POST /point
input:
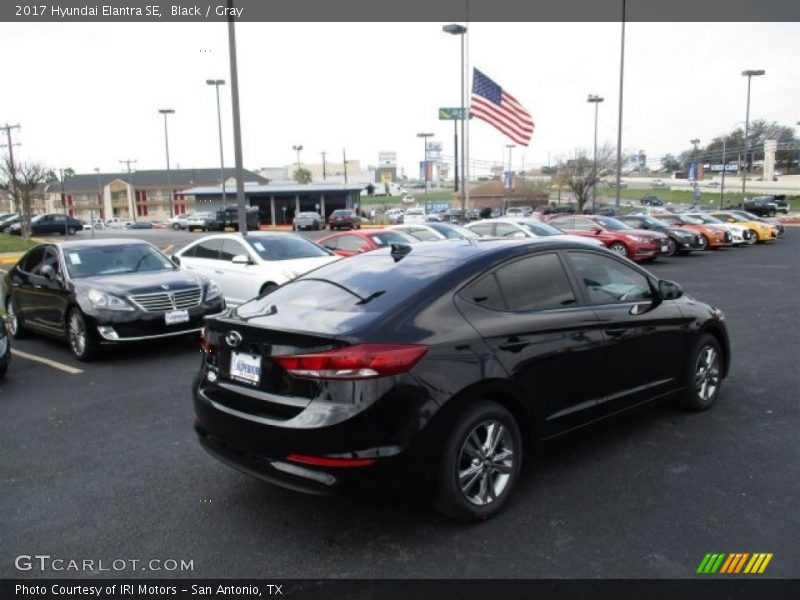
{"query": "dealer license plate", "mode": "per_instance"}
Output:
(246, 367)
(174, 317)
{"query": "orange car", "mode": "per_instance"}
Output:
(711, 237)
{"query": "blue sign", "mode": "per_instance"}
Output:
(692, 170)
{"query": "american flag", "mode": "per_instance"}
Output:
(497, 107)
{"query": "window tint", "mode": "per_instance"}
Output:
(535, 283)
(208, 249)
(385, 238)
(331, 244)
(51, 258)
(231, 248)
(284, 247)
(609, 281)
(482, 228)
(484, 292)
(351, 243)
(563, 223)
(33, 259)
(424, 235)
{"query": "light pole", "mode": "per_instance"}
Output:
(722, 185)
(100, 199)
(750, 73)
(460, 30)
(297, 149)
(596, 100)
(425, 137)
(216, 83)
(510, 173)
(324, 174)
(694, 143)
(165, 112)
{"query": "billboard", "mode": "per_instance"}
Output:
(387, 158)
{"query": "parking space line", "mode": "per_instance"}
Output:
(168, 248)
(47, 361)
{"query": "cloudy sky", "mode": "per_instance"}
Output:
(87, 95)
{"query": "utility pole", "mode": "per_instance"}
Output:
(64, 203)
(13, 173)
(132, 199)
(324, 174)
(344, 160)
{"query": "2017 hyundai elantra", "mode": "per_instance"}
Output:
(440, 365)
(98, 292)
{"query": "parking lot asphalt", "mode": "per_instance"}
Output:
(103, 464)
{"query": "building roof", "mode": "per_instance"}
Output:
(178, 178)
(278, 188)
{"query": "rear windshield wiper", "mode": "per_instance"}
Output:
(361, 299)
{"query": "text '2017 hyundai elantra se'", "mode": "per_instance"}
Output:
(440, 365)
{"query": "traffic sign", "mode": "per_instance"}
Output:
(455, 113)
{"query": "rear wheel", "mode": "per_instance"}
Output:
(703, 374)
(753, 237)
(82, 343)
(176, 227)
(672, 247)
(619, 248)
(704, 243)
(480, 462)
(70, 231)
(14, 326)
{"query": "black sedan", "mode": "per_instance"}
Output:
(50, 223)
(105, 292)
(441, 365)
(681, 241)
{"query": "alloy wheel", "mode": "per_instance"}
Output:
(618, 248)
(12, 324)
(77, 334)
(672, 247)
(706, 376)
(486, 462)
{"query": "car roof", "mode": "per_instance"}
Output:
(103, 242)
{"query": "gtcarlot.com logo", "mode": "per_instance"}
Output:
(735, 563)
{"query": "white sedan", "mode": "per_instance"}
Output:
(245, 267)
(523, 228)
(431, 232)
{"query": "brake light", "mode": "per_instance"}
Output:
(363, 361)
(327, 461)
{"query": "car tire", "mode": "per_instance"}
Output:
(619, 248)
(704, 243)
(703, 375)
(672, 248)
(771, 213)
(14, 325)
(475, 480)
(71, 231)
(753, 237)
(176, 227)
(82, 342)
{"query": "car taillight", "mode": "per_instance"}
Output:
(363, 361)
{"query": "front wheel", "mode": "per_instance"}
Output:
(176, 227)
(704, 243)
(619, 248)
(480, 462)
(753, 237)
(672, 248)
(703, 374)
(14, 326)
(82, 343)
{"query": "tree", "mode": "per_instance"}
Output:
(670, 163)
(579, 173)
(529, 193)
(302, 175)
(20, 180)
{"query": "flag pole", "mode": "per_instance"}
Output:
(465, 157)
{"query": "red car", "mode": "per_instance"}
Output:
(636, 244)
(348, 243)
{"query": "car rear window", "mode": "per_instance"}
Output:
(285, 247)
(372, 282)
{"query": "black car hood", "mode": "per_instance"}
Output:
(679, 230)
(124, 284)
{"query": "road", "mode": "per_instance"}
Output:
(103, 464)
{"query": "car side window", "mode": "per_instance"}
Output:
(331, 244)
(231, 248)
(536, 282)
(482, 228)
(608, 281)
(208, 249)
(51, 259)
(423, 235)
(508, 231)
(33, 259)
(351, 243)
(563, 223)
(583, 225)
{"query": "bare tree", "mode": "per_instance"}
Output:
(579, 173)
(20, 180)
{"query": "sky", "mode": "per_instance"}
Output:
(87, 95)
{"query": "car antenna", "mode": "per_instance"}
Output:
(399, 251)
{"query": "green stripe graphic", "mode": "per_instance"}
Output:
(718, 563)
(701, 568)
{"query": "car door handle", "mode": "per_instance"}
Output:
(615, 333)
(219, 272)
(514, 344)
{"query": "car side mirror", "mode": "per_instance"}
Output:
(241, 259)
(597, 231)
(669, 290)
(175, 260)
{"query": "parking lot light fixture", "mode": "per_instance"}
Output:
(461, 31)
(165, 112)
(596, 100)
(425, 137)
(750, 73)
(216, 83)
(297, 149)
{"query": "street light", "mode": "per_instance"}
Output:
(596, 100)
(461, 30)
(297, 149)
(100, 199)
(749, 74)
(695, 142)
(510, 147)
(165, 112)
(425, 137)
(216, 83)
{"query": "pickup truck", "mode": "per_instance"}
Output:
(766, 206)
(229, 217)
